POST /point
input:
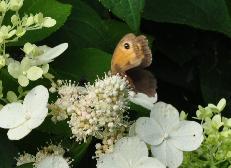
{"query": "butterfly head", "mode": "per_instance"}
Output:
(132, 51)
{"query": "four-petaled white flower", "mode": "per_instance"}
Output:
(142, 99)
(20, 118)
(167, 135)
(129, 152)
(53, 162)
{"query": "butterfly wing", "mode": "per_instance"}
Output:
(145, 51)
(143, 81)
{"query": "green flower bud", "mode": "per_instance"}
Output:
(15, 19)
(15, 5)
(3, 6)
(11, 96)
(48, 22)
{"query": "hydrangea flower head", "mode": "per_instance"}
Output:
(167, 135)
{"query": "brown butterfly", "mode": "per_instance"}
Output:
(132, 51)
(131, 55)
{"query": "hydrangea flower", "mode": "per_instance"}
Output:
(24, 71)
(142, 99)
(43, 54)
(21, 118)
(34, 64)
(167, 135)
(129, 152)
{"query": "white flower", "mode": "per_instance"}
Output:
(24, 71)
(129, 152)
(53, 162)
(48, 54)
(142, 99)
(20, 118)
(168, 135)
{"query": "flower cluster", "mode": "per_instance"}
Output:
(69, 92)
(102, 109)
(45, 157)
(215, 150)
(94, 110)
(35, 62)
(108, 142)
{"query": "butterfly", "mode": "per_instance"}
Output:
(131, 56)
(131, 52)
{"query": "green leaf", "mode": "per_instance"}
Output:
(88, 63)
(50, 8)
(77, 151)
(207, 14)
(60, 128)
(128, 10)
(86, 29)
(8, 81)
(7, 151)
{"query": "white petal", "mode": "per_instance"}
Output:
(11, 115)
(35, 103)
(166, 115)
(132, 130)
(112, 161)
(131, 149)
(52, 53)
(188, 136)
(149, 130)
(168, 154)
(143, 100)
(18, 132)
(53, 162)
(34, 73)
(149, 162)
